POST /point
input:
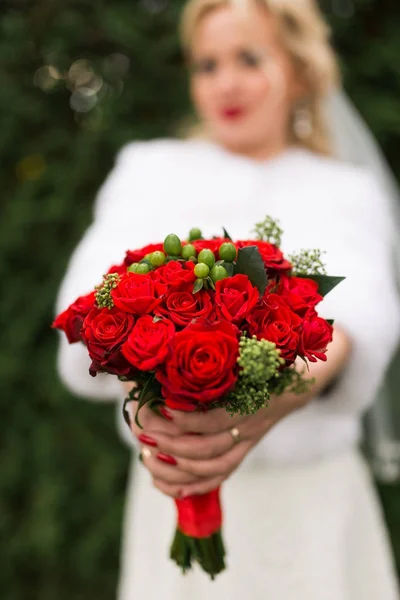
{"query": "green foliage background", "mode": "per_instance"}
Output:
(63, 468)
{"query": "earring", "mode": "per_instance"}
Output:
(302, 124)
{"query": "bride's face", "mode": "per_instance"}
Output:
(243, 84)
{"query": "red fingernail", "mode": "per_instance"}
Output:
(145, 439)
(166, 458)
(165, 413)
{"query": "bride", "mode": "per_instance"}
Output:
(302, 518)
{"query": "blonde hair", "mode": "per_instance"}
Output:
(306, 37)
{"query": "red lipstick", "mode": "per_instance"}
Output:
(232, 113)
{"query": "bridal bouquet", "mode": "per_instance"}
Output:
(200, 324)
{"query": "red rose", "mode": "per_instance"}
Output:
(148, 343)
(202, 365)
(135, 294)
(120, 269)
(235, 297)
(212, 245)
(276, 322)
(272, 256)
(173, 275)
(300, 293)
(70, 321)
(104, 331)
(182, 306)
(134, 256)
(317, 334)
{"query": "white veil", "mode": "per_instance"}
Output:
(354, 143)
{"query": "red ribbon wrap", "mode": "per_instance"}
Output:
(200, 516)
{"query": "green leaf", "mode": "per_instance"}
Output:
(229, 268)
(250, 263)
(125, 413)
(130, 398)
(198, 286)
(157, 318)
(210, 283)
(150, 391)
(330, 321)
(219, 263)
(226, 234)
(326, 283)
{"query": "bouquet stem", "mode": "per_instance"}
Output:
(198, 535)
(208, 552)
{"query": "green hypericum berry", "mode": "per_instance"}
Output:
(218, 272)
(227, 251)
(194, 234)
(201, 270)
(142, 269)
(172, 245)
(188, 251)
(207, 256)
(157, 258)
(133, 267)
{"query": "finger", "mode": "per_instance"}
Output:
(169, 489)
(164, 472)
(202, 487)
(220, 466)
(151, 421)
(213, 421)
(202, 447)
(208, 447)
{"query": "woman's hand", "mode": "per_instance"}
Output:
(167, 475)
(193, 453)
(216, 446)
(183, 463)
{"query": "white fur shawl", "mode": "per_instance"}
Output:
(170, 186)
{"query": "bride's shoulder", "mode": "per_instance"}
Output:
(166, 153)
(335, 173)
(344, 186)
(152, 169)
(346, 190)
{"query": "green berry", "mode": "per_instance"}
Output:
(201, 270)
(172, 245)
(157, 258)
(188, 251)
(227, 251)
(207, 256)
(142, 269)
(218, 272)
(194, 234)
(133, 267)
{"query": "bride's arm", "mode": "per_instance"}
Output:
(210, 458)
(367, 310)
(103, 244)
(367, 304)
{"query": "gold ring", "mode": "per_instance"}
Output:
(235, 435)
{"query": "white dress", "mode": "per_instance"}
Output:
(302, 520)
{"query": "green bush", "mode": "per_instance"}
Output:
(63, 466)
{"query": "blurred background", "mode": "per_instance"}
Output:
(78, 80)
